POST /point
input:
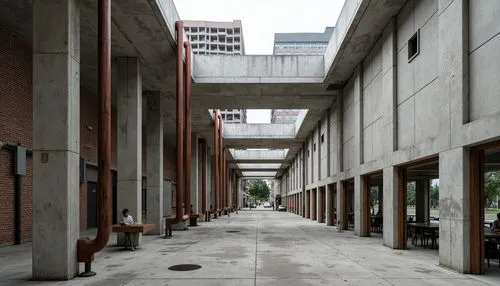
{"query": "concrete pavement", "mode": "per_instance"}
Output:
(262, 247)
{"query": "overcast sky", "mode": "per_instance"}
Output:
(261, 19)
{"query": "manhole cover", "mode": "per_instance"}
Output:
(184, 267)
(232, 231)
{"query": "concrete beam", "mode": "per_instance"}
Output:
(258, 69)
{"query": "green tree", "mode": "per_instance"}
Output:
(373, 195)
(434, 196)
(259, 190)
(492, 187)
(411, 194)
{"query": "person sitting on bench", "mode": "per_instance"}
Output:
(129, 236)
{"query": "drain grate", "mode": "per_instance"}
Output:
(184, 267)
(232, 231)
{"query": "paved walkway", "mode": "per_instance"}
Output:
(262, 248)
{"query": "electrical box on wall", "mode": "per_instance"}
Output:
(20, 163)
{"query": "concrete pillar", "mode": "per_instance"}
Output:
(56, 139)
(320, 214)
(195, 178)
(341, 197)
(129, 139)
(361, 211)
(454, 221)
(314, 204)
(422, 208)
(390, 220)
(308, 203)
(154, 161)
(210, 183)
(329, 205)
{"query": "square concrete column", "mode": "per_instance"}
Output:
(320, 214)
(329, 205)
(361, 210)
(129, 139)
(56, 139)
(314, 204)
(390, 220)
(308, 203)
(195, 178)
(154, 167)
(341, 211)
(454, 209)
(422, 208)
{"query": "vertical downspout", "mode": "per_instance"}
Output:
(221, 165)
(216, 160)
(179, 27)
(85, 247)
(187, 135)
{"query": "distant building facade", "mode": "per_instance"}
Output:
(215, 38)
(298, 44)
(283, 116)
(302, 43)
(218, 38)
(234, 115)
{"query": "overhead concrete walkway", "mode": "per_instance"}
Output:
(270, 248)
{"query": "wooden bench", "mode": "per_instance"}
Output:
(169, 222)
(144, 228)
(131, 228)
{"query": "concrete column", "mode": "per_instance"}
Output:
(320, 214)
(314, 205)
(454, 221)
(56, 139)
(129, 139)
(341, 197)
(210, 183)
(154, 161)
(390, 221)
(195, 178)
(308, 203)
(360, 209)
(329, 205)
(318, 178)
(422, 208)
(199, 165)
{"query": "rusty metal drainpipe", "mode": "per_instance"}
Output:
(203, 176)
(216, 162)
(86, 247)
(221, 170)
(187, 135)
(179, 27)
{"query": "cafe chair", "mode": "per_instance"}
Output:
(491, 251)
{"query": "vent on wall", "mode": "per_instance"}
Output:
(414, 46)
(322, 138)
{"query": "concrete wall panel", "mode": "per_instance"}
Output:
(425, 62)
(484, 84)
(406, 124)
(484, 22)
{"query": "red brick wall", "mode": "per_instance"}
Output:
(15, 127)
